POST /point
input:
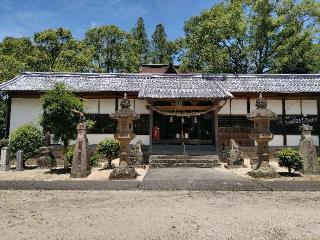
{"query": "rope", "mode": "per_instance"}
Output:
(185, 114)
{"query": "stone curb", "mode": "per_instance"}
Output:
(69, 185)
(196, 185)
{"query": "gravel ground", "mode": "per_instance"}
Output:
(35, 174)
(159, 215)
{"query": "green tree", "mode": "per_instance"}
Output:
(75, 57)
(162, 50)
(110, 49)
(140, 36)
(52, 41)
(297, 51)
(110, 148)
(59, 115)
(18, 54)
(242, 36)
(27, 138)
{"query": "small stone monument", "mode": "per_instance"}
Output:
(262, 135)
(5, 161)
(80, 163)
(235, 157)
(46, 159)
(308, 151)
(19, 160)
(124, 135)
(136, 155)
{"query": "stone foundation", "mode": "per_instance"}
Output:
(126, 173)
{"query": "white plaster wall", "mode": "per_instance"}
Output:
(225, 109)
(309, 107)
(96, 138)
(239, 106)
(140, 106)
(91, 105)
(293, 107)
(276, 141)
(107, 106)
(145, 139)
(293, 140)
(24, 110)
(273, 104)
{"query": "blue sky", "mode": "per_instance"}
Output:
(25, 17)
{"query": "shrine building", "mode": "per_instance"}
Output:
(201, 111)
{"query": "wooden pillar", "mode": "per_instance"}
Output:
(150, 130)
(318, 117)
(284, 121)
(8, 117)
(216, 130)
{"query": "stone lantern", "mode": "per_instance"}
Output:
(261, 118)
(125, 117)
(308, 151)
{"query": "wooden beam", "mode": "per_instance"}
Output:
(184, 108)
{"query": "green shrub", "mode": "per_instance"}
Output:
(69, 154)
(109, 148)
(4, 143)
(27, 138)
(290, 158)
(94, 159)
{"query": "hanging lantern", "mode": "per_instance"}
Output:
(171, 119)
(195, 120)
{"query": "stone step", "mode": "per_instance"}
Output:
(207, 161)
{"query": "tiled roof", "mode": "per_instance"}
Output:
(167, 85)
(272, 83)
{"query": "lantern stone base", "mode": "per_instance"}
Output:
(264, 172)
(123, 173)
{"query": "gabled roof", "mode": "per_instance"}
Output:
(167, 85)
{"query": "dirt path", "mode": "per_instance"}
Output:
(159, 215)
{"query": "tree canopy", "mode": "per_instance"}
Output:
(243, 36)
(234, 36)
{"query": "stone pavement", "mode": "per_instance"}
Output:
(209, 179)
(196, 179)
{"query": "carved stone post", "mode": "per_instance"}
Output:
(5, 161)
(308, 151)
(19, 160)
(80, 163)
(124, 135)
(262, 135)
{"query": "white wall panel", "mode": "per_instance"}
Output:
(273, 105)
(309, 107)
(293, 140)
(96, 138)
(225, 109)
(239, 106)
(144, 138)
(293, 107)
(107, 106)
(24, 110)
(91, 105)
(315, 140)
(276, 141)
(140, 106)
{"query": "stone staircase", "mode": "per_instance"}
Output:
(167, 161)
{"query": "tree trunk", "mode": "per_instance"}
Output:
(65, 160)
(289, 168)
(109, 163)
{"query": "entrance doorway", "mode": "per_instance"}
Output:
(184, 135)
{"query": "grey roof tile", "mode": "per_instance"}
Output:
(167, 85)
